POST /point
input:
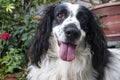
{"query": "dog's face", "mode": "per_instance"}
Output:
(72, 25)
(67, 23)
(67, 27)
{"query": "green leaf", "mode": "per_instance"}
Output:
(15, 33)
(24, 37)
(13, 0)
(26, 19)
(1, 47)
(0, 1)
(10, 69)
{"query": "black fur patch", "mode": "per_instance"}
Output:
(95, 38)
(41, 41)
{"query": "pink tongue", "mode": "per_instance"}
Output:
(67, 51)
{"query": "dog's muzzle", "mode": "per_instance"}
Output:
(72, 33)
(67, 48)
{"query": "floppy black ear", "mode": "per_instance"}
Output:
(41, 42)
(95, 38)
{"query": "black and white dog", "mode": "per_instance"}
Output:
(70, 45)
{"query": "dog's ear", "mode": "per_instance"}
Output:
(95, 38)
(41, 40)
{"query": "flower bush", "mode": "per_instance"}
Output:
(16, 31)
(17, 27)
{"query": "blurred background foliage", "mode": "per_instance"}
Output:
(18, 22)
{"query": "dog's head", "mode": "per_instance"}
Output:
(71, 25)
(67, 28)
(67, 23)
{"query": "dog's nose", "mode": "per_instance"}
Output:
(72, 32)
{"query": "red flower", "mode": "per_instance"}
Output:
(5, 36)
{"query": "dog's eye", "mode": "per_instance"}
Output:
(81, 17)
(60, 16)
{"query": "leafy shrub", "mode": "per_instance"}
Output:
(17, 27)
(12, 61)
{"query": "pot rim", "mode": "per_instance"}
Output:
(106, 5)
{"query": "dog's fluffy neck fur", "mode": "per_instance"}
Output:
(53, 68)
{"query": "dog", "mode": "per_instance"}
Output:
(70, 45)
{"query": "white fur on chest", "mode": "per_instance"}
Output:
(112, 71)
(53, 68)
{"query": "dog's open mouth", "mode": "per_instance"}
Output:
(67, 51)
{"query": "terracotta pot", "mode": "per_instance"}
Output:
(10, 77)
(110, 19)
